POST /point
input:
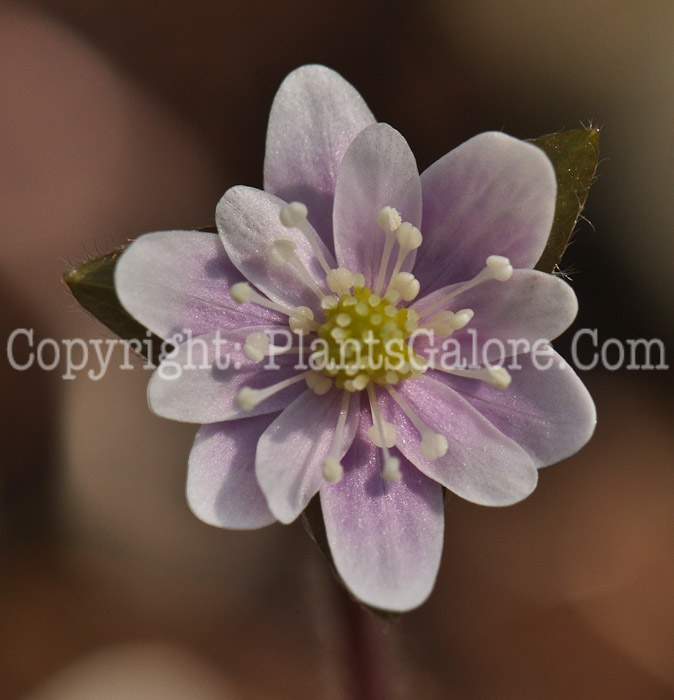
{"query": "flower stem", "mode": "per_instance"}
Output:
(363, 657)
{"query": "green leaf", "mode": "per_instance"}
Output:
(574, 155)
(92, 284)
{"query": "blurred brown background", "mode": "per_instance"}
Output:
(125, 117)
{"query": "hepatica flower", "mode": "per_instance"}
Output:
(365, 333)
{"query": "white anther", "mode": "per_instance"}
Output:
(328, 303)
(284, 251)
(391, 471)
(433, 446)
(281, 251)
(499, 377)
(339, 281)
(445, 323)
(393, 296)
(358, 383)
(256, 346)
(406, 284)
(441, 324)
(293, 214)
(248, 398)
(241, 292)
(302, 320)
(392, 377)
(500, 267)
(332, 470)
(461, 318)
(381, 435)
(409, 237)
(497, 267)
(389, 219)
(318, 383)
(389, 431)
(358, 280)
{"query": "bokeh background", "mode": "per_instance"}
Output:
(118, 118)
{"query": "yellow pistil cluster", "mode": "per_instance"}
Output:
(365, 338)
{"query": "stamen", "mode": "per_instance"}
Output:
(318, 383)
(497, 267)
(249, 398)
(302, 320)
(498, 377)
(500, 266)
(391, 471)
(242, 293)
(339, 281)
(432, 445)
(405, 284)
(332, 469)
(256, 346)
(409, 238)
(390, 220)
(283, 251)
(294, 215)
(389, 435)
(358, 383)
(444, 323)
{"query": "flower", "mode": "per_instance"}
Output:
(349, 247)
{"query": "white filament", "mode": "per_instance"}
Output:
(294, 215)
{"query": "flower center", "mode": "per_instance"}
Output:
(364, 341)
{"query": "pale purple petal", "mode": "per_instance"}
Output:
(510, 317)
(493, 195)
(546, 409)
(290, 454)
(178, 281)
(378, 170)
(221, 486)
(315, 116)
(482, 464)
(198, 382)
(249, 223)
(385, 539)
